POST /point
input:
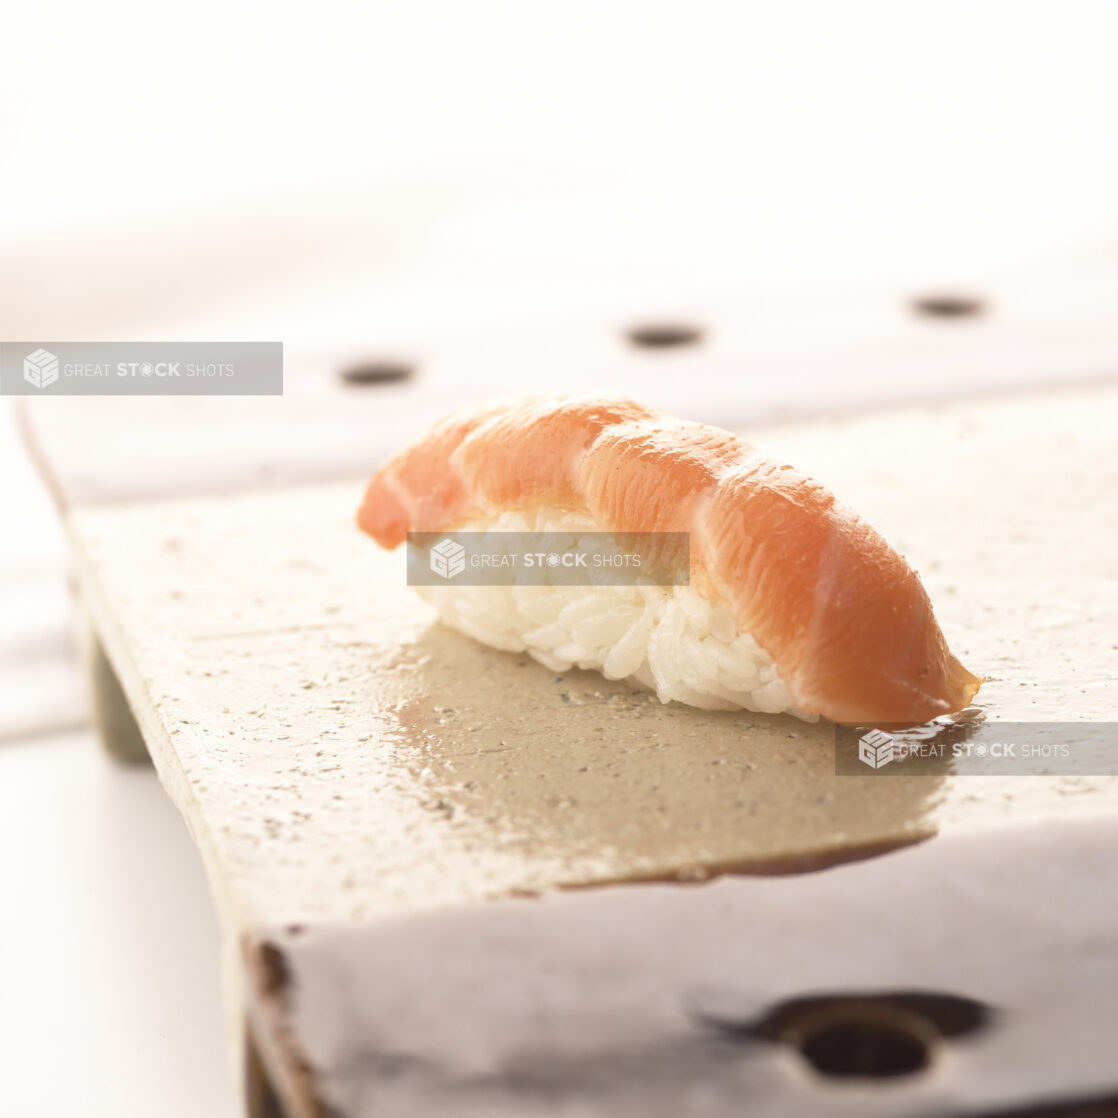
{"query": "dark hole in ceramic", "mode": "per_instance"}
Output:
(377, 372)
(948, 305)
(878, 1044)
(849, 1034)
(664, 335)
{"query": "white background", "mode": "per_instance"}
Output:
(327, 169)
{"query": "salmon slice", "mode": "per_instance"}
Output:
(844, 619)
(420, 490)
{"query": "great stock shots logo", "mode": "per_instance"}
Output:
(876, 749)
(968, 744)
(151, 368)
(40, 368)
(548, 558)
(448, 559)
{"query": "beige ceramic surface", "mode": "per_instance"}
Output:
(337, 755)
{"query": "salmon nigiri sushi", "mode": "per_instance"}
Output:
(793, 603)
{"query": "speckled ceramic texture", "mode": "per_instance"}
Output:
(339, 754)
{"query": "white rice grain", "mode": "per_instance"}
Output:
(667, 638)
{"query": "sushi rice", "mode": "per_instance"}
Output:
(669, 639)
